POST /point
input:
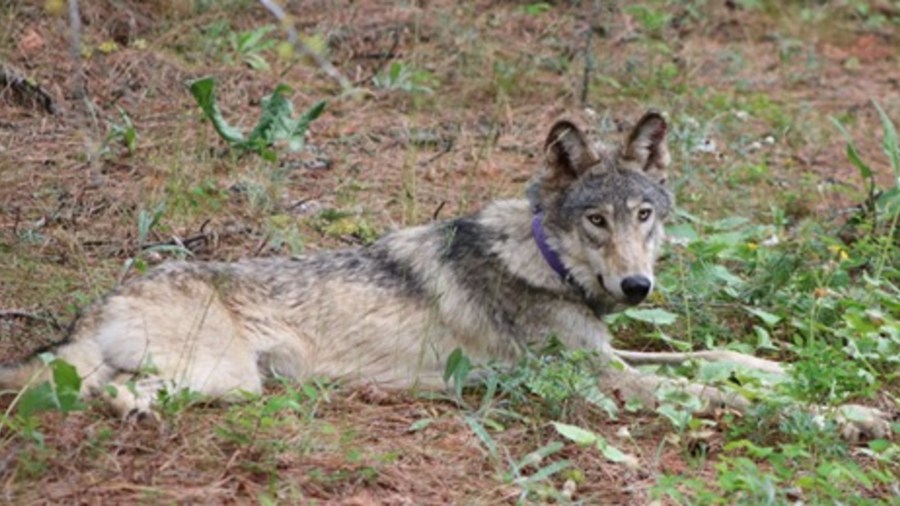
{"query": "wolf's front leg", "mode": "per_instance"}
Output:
(675, 358)
(856, 423)
(626, 383)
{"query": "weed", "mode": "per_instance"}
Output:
(248, 46)
(881, 206)
(147, 222)
(276, 122)
(536, 8)
(284, 234)
(337, 223)
(400, 76)
(61, 394)
(124, 132)
(585, 437)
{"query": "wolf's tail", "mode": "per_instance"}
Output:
(14, 377)
(83, 354)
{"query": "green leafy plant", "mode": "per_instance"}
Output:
(457, 370)
(338, 223)
(879, 202)
(147, 222)
(124, 132)
(247, 46)
(400, 76)
(62, 394)
(584, 437)
(276, 122)
(536, 8)
(652, 20)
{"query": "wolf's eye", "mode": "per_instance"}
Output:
(597, 220)
(644, 214)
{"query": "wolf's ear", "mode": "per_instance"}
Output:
(568, 153)
(646, 146)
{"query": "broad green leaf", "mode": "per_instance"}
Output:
(483, 435)
(729, 223)
(616, 455)
(250, 41)
(545, 472)
(763, 339)
(879, 445)
(298, 136)
(38, 398)
(841, 129)
(457, 368)
(655, 316)
(576, 434)
(536, 457)
(678, 417)
(864, 170)
(420, 424)
(280, 403)
(275, 121)
(759, 452)
(768, 318)
(604, 402)
(68, 386)
(452, 363)
(256, 62)
(723, 274)
(683, 231)
(852, 154)
(889, 140)
(203, 91)
(889, 201)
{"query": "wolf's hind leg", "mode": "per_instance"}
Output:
(135, 400)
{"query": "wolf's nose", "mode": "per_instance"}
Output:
(636, 288)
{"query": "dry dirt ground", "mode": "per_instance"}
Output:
(460, 125)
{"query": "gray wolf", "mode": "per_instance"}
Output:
(493, 284)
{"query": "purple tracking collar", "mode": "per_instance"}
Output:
(547, 252)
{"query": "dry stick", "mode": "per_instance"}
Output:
(288, 25)
(75, 47)
(588, 54)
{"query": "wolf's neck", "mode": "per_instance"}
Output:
(519, 252)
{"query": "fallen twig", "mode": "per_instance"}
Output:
(447, 147)
(28, 315)
(287, 24)
(26, 90)
(202, 238)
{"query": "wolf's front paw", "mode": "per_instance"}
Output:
(862, 423)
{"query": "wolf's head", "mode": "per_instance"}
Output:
(603, 209)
